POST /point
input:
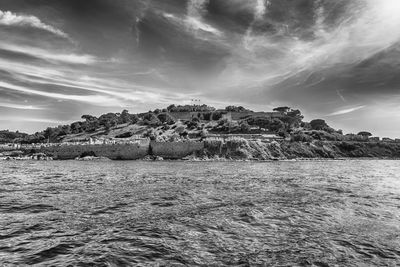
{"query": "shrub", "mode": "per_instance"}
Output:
(166, 118)
(124, 135)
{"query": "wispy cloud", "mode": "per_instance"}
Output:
(340, 95)
(196, 9)
(94, 99)
(107, 91)
(197, 24)
(346, 111)
(261, 8)
(53, 56)
(19, 106)
(28, 119)
(8, 18)
(194, 25)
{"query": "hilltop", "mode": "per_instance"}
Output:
(188, 122)
(197, 132)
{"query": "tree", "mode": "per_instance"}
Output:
(236, 109)
(365, 134)
(157, 111)
(190, 108)
(273, 125)
(89, 117)
(295, 113)
(244, 127)
(276, 125)
(134, 118)
(7, 137)
(166, 118)
(51, 134)
(282, 109)
(171, 108)
(125, 117)
(76, 127)
(108, 120)
(64, 130)
(151, 119)
(318, 124)
(216, 116)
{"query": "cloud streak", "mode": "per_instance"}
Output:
(8, 18)
(52, 56)
(346, 111)
(96, 99)
(194, 21)
(19, 106)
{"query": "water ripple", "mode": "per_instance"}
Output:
(69, 213)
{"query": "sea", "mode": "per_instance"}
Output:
(173, 213)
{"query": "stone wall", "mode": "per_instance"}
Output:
(175, 150)
(167, 150)
(115, 152)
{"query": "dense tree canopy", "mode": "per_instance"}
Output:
(365, 134)
(318, 124)
(282, 109)
(190, 108)
(7, 136)
(236, 109)
(166, 118)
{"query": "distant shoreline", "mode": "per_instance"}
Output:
(200, 160)
(215, 150)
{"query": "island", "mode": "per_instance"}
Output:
(196, 132)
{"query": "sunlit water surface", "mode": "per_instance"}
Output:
(326, 213)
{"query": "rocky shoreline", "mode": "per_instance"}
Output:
(245, 150)
(256, 150)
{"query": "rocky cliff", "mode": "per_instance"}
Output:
(257, 150)
(115, 152)
(237, 149)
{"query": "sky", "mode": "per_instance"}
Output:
(336, 60)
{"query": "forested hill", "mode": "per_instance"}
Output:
(198, 120)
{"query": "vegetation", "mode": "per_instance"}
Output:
(236, 109)
(318, 124)
(161, 124)
(282, 109)
(365, 134)
(8, 136)
(190, 108)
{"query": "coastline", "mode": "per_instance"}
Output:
(209, 160)
(239, 150)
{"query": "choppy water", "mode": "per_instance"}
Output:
(328, 213)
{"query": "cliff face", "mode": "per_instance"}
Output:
(175, 150)
(257, 150)
(118, 151)
(238, 149)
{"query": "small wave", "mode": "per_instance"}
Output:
(26, 208)
(50, 253)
